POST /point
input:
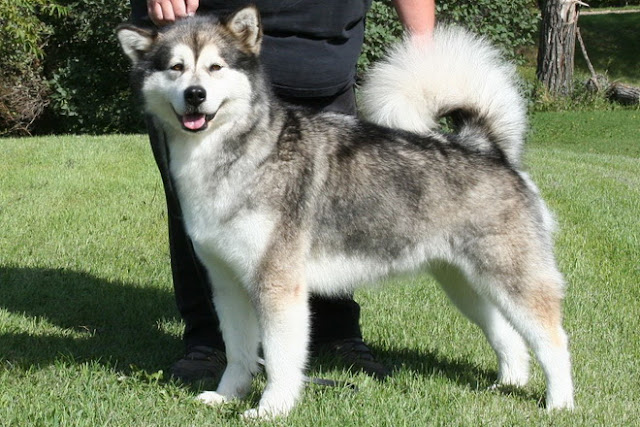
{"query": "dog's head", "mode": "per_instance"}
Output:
(195, 73)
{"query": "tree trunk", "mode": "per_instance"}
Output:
(557, 45)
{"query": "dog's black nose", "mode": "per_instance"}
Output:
(195, 95)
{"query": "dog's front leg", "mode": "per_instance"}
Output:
(239, 326)
(284, 318)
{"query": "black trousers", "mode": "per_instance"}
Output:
(332, 318)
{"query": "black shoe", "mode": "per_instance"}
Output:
(200, 364)
(355, 354)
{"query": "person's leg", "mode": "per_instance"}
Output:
(204, 347)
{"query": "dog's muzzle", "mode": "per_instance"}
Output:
(195, 121)
(195, 95)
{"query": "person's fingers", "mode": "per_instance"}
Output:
(163, 12)
(179, 9)
(168, 15)
(154, 10)
(192, 6)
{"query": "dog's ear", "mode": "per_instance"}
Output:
(135, 41)
(245, 25)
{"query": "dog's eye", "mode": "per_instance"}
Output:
(215, 67)
(177, 67)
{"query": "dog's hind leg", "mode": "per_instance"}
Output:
(510, 348)
(523, 282)
(536, 314)
(239, 326)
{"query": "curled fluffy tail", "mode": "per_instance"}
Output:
(458, 72)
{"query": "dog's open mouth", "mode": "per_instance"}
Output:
(195, 122)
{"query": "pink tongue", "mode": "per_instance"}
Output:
(193, 121)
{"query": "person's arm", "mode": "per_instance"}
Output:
(417, 16)
(163, 12)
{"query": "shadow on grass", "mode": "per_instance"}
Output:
(92, 319)
(116, 324)
(432, 364)
(461, 371)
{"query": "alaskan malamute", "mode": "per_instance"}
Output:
(282, 202)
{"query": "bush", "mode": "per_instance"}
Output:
(511, 24)
(382, 29)
(23, 35)
(88, 72)
(23, 98)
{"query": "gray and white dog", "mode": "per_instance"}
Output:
(282, 202)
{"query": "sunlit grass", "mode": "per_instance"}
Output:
(88, 325)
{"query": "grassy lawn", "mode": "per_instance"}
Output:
(88, 323)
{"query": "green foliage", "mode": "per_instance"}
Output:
(23, 33)
(88, 317)
(88, 72)
(382, 29)
(23, 36)
(510, 24)
(581, 99)
(64, 54)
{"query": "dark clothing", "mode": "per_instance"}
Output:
(324, 38)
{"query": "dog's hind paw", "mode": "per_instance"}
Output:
(211, 398)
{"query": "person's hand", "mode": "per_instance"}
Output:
(163, 12)
(418, 18)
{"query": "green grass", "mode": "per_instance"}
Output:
(88, 323)
(611, 41)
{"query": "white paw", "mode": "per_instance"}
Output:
(560, 394)
(502, 387)
(253, 414)
(561, 404)
(514, 382)
(506, 385)
(211, 398)
(259, 413)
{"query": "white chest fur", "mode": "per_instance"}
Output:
(225, 223)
